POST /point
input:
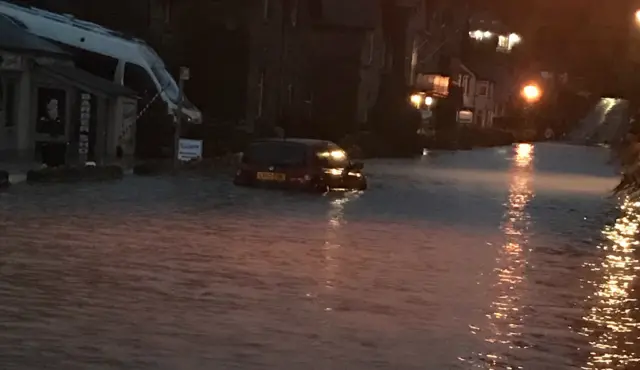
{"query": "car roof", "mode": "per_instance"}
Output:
(301, 141)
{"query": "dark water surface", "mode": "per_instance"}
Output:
(499, 259)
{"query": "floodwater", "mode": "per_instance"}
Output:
(509, 258)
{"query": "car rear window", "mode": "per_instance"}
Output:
(276, 154)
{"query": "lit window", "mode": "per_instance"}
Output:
(503, 43)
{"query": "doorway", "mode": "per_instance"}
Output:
(51, 125)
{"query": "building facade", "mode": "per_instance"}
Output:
(45, 101)
(298, 64)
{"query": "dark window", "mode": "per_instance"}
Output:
(276, 154)
(9, 101)
(137, 79)
(98, 64)
(483, 90)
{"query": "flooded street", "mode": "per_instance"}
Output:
(500, 259)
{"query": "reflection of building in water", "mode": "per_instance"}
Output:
(613, 325)
(506, 318)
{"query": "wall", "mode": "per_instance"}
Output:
(15, 143)
(334, 79)
(372, 64)
(484, 103)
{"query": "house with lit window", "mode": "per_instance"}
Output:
(45, 102)
(478, 95)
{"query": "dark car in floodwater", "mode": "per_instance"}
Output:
(300, 164)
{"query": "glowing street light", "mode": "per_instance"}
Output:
(428, 101)
(514, 39)
(416, 100)
(531, 93)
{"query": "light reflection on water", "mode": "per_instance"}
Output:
(157, 273)
(612, 322)
(506, 317)
(332, 243)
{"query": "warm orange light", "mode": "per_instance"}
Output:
(524, 154)
(638, 16)
(531, 93)
(416, 100)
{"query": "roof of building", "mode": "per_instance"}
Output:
(16, 38)
(85, 80)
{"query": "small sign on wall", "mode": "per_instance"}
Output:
(189, 150)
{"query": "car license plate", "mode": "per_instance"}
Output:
(270, 176)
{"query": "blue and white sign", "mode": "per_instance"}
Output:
(189, 150)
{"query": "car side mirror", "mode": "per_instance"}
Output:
(358, 166)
